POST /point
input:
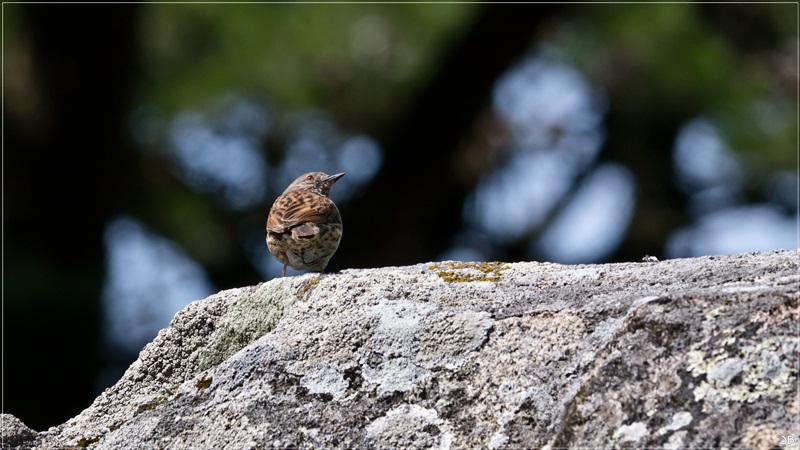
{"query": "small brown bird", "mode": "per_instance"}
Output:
(304, 226)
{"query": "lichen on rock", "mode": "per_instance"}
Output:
(675, 354)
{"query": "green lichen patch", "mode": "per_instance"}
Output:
(84, 441)
(253, 316)
(469, 272)
(307, 287)
(204, 382)
(150, 404)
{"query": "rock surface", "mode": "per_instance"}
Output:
(698, 352)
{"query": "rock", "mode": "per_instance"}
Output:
(14, 433)
(679, 353)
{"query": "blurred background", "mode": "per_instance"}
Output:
(143, 145)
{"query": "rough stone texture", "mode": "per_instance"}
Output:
(14, 432)
(696, 352)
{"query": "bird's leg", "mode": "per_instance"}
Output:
(284, 270)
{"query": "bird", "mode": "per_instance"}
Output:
(304, 226)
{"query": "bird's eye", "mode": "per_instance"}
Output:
(310, 177)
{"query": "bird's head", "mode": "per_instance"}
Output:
(316, 182)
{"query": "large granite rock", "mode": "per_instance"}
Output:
(681, 353)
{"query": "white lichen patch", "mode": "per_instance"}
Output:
(498, 440)
(696, 362)
(393, 339)
(631, 433)
(409, 425)
(714, 313)
(679, 420)
(325, 380)
(675, 441)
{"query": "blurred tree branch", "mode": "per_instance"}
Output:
(414, 207)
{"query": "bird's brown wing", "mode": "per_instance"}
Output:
(296, 208)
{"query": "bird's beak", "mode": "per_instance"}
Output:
(332, 178)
